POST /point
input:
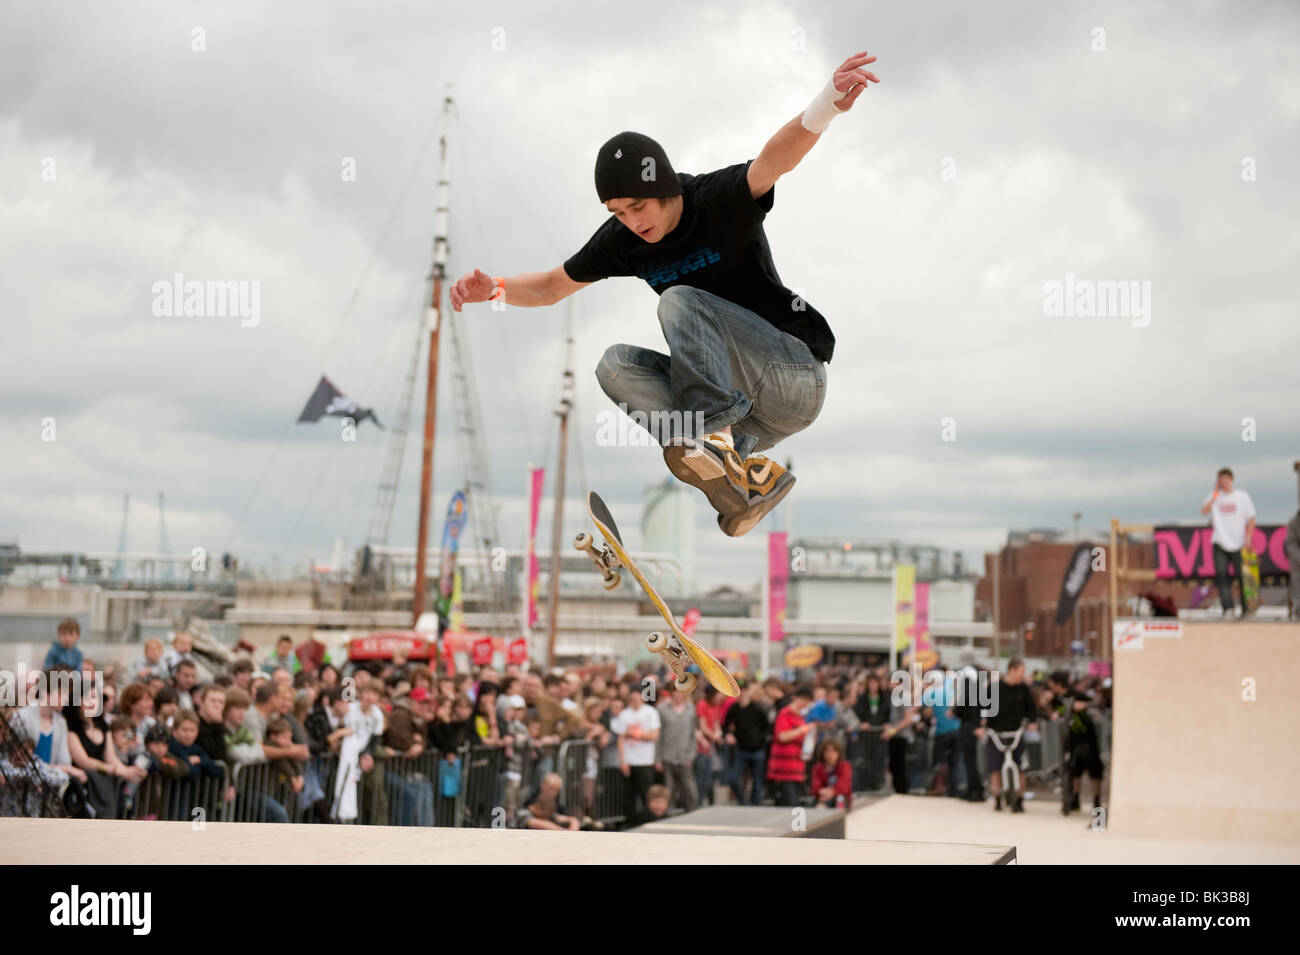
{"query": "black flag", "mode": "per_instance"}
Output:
(1077, 573)
(328, 400)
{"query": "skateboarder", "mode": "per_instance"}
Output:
(746, 356)
(1234, 527)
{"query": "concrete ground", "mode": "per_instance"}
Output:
(1042, 836)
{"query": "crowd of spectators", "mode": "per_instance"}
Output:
(176, 718)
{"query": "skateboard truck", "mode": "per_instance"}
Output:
(671, 651)
(604, 558)
(677, 650)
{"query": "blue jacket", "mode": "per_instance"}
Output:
(205, 767)
(59, 654)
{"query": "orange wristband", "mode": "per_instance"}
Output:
(500, 290)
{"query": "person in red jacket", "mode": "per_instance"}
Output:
(832, 777)
(785, 765)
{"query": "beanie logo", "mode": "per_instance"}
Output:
(618, 154)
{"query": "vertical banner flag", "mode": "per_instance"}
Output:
(904, 605)
(1077, 572)
(451, 543)
(690, 620)
(923, 653)
(778, 570)
(456, 615)
(534, 508)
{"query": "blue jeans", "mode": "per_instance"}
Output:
(726, 366)
(704, 777)
(412, 800)
(263, 808)
(756, 761)
(1223, 559)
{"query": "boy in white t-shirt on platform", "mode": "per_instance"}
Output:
(637, 729)
(1233, 519)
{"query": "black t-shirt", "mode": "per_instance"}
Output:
(718, 246)
(212, 739)
(1015, 704)
(94, 750)
(749, 725)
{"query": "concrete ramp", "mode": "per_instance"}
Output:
(39, 841)
(763, 821)
(1193, 755)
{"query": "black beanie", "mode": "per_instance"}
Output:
(623, 172)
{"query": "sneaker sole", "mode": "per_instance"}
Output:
(741, 525)
(704, 470)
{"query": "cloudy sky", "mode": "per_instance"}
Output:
(1008, 146)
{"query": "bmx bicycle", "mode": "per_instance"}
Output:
(1007, 742)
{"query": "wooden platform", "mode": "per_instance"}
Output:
(1202, 743)
(763, 821)
(45, 841)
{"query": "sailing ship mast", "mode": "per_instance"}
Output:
(431, 391)
(557, 531)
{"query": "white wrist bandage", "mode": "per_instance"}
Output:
(822, 109)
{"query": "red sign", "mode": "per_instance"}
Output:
(483, 652)
(517, 652)
(380, 646)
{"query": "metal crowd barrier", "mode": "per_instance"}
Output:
(867, 753)
(262, 794)
(599, 796)
(175, 800)
(473, 789)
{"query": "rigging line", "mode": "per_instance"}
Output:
(578, 339)
(398, 205)
(396, 393)
(239, 522)
(341, 322)
(553, 425)
(498, 319)
(316, 486)
(556, 247)
(354, 448)
(374, 457)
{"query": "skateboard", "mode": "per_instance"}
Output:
(1249, 580)
(675, 648)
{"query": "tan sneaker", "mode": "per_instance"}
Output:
(767, 483)
(712, 465)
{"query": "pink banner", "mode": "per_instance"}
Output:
(1187, 553)
(690, 620)
(778, 569)
(921, 628)
(534, 508)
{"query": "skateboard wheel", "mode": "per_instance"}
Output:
(612, 581)
(657, 642)
(582, 542)
(686, 683)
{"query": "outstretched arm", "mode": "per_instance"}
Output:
(793, 140)
(530, 289)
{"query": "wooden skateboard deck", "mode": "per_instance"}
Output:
(709, 665)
